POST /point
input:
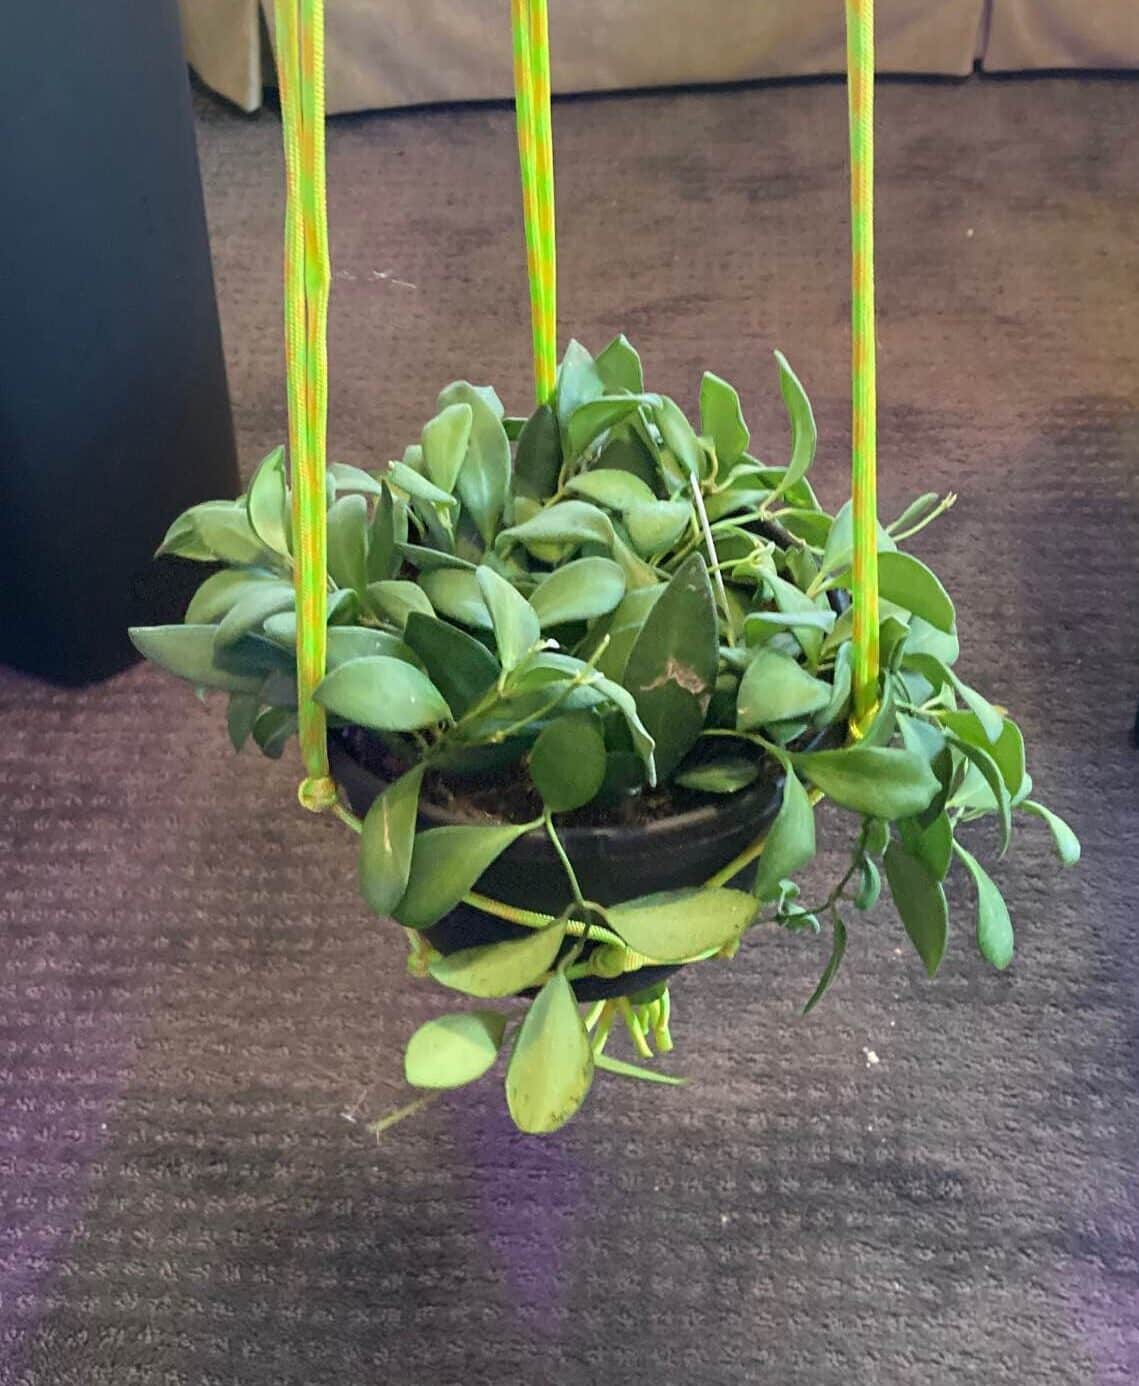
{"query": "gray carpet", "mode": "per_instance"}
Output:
(195, 1003)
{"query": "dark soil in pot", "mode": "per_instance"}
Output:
(676, 840)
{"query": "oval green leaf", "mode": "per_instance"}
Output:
(514, 620)
(879, 781)
(460, 666)
(567, 763)
(673, 925)
(920, 902)
(456, 594)
(1067, 843)
(551, 1067)
(994, 926)
(267, 503)
(722, 420)
(445, 441)
(790, 841)
(671, 669)
(453, 1050)
(484, 477)
(775, 688)
(501, 969)
(386, 840)
(579, 591)
(445, 864)
(383, 693)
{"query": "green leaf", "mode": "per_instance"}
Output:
(671, 669)
(501, 969)
(445, 441)
(538, 458)
(775, 688)
(458, 665)
(590, 420)
(567, 763)
(804, 434)
(551, 1068)
(790, 841)
(428, 560)
(484, 478)
(453, 1050)
(993, 778)
(515, 622)
(346, 478)
(625, 1070)
(869, 885)
(1067, 843)
(579, 591)
(215, 530)
(445, 864)
(672, 925)
(994, 926)
(456, 594)
(386, 841)
(567, 522)
(914, 512)
(879, 781)
(622, 699)
(619, 367)
(578, 382)
(932, 844)
(842, 679)
(839, 550)
(189, 653)
(273, 729)
(615, 490)
(342, 642)
(722, 420)
(241, 713)
(348, 542)
(388, 530)
(407, 479)
(680, 437)
(1007, 750)
(906, 581)
(629, 455)
(396, 599)
(728, 775)
(921, 904)
(267, 503)
(656, 525)
(792, 602)
(383, 693)
(937, 674)
(253, 609)
(623, 627)
(834, 962)
(221, 591)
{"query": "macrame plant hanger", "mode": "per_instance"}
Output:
(300, 61)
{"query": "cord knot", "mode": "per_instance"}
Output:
(317, 793)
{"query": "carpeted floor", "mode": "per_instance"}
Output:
(195, 1004)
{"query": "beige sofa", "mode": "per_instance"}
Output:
(383, 53)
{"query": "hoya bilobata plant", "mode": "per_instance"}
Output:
(589, 609)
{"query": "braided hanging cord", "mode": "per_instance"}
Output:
(530, 32)
(864, 486)
(300, 64)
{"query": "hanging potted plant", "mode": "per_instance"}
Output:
(578, 679)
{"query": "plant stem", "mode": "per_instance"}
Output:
(713, 559)
(563, 857)
(946, 503)
(633, 1025)
(377, 1128)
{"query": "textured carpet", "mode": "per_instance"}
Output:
(197, 1013)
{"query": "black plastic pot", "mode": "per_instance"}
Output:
(612, 863)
